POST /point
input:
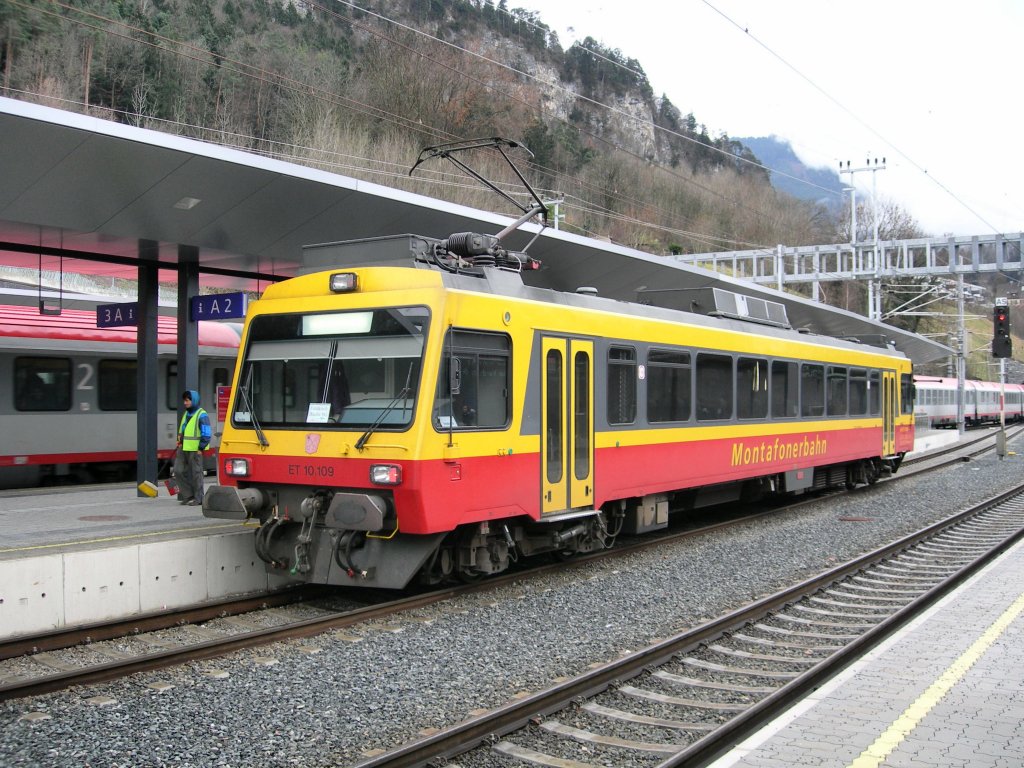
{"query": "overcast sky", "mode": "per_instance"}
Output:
(934, 86)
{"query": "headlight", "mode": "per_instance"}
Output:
(236, 467)
(385, 474)
(343, 282)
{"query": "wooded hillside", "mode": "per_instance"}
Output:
(361, 91)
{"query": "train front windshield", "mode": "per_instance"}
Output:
(342, 370)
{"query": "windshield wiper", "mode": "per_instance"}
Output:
(386, 410)
(247, 402)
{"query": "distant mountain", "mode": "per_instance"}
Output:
(778, 155)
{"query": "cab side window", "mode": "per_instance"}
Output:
(475, 382)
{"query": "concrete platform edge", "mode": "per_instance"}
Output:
(50, 592)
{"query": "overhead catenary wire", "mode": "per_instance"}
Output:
(851, 113)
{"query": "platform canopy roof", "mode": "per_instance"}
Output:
(80, 186)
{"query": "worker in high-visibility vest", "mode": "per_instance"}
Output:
(193, 438)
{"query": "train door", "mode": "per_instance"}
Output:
(890, 407)
(567, 424)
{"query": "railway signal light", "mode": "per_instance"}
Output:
(1002, 346)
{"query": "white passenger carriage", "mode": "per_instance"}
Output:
(68, 393)
(937, 396)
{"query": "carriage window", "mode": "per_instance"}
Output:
(907, 393)
(874, 393)
(668, 386)
(714, 387)
(751, 388)
(858, 392)
(621, 385)
(476, 395)
(785, 389)
(42, 384)
(171, 391)
(836, 391)
(221, 377)
(118, 384)
(812, 390)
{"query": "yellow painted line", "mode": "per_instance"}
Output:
(121, 538)
(901, 727)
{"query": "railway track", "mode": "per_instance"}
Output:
(191, 635)
(218, 629)
(208, 631)
(688, 698)
(975, 445)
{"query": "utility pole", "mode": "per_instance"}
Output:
(554, 207)
(874, 289)
(853, 208)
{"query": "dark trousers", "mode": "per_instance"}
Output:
(188, 470)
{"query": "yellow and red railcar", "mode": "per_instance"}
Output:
(399, 423)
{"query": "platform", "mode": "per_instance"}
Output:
(77, 556)
(946, 690)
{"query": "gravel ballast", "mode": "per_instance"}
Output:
(377, 686)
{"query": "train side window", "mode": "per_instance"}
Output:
(785, 389)
(476, 396)
(171, 389)
(42, 384)
(907, 394)
(858, 392)
(812, 390)
(622, 379)
(668, 386)
(118, 385)
(714, 387)
(836, 391)
(751, 388)
(874, 393)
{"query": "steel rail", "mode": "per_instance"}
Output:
(212, 648)
(723, 739)
(151, 622)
